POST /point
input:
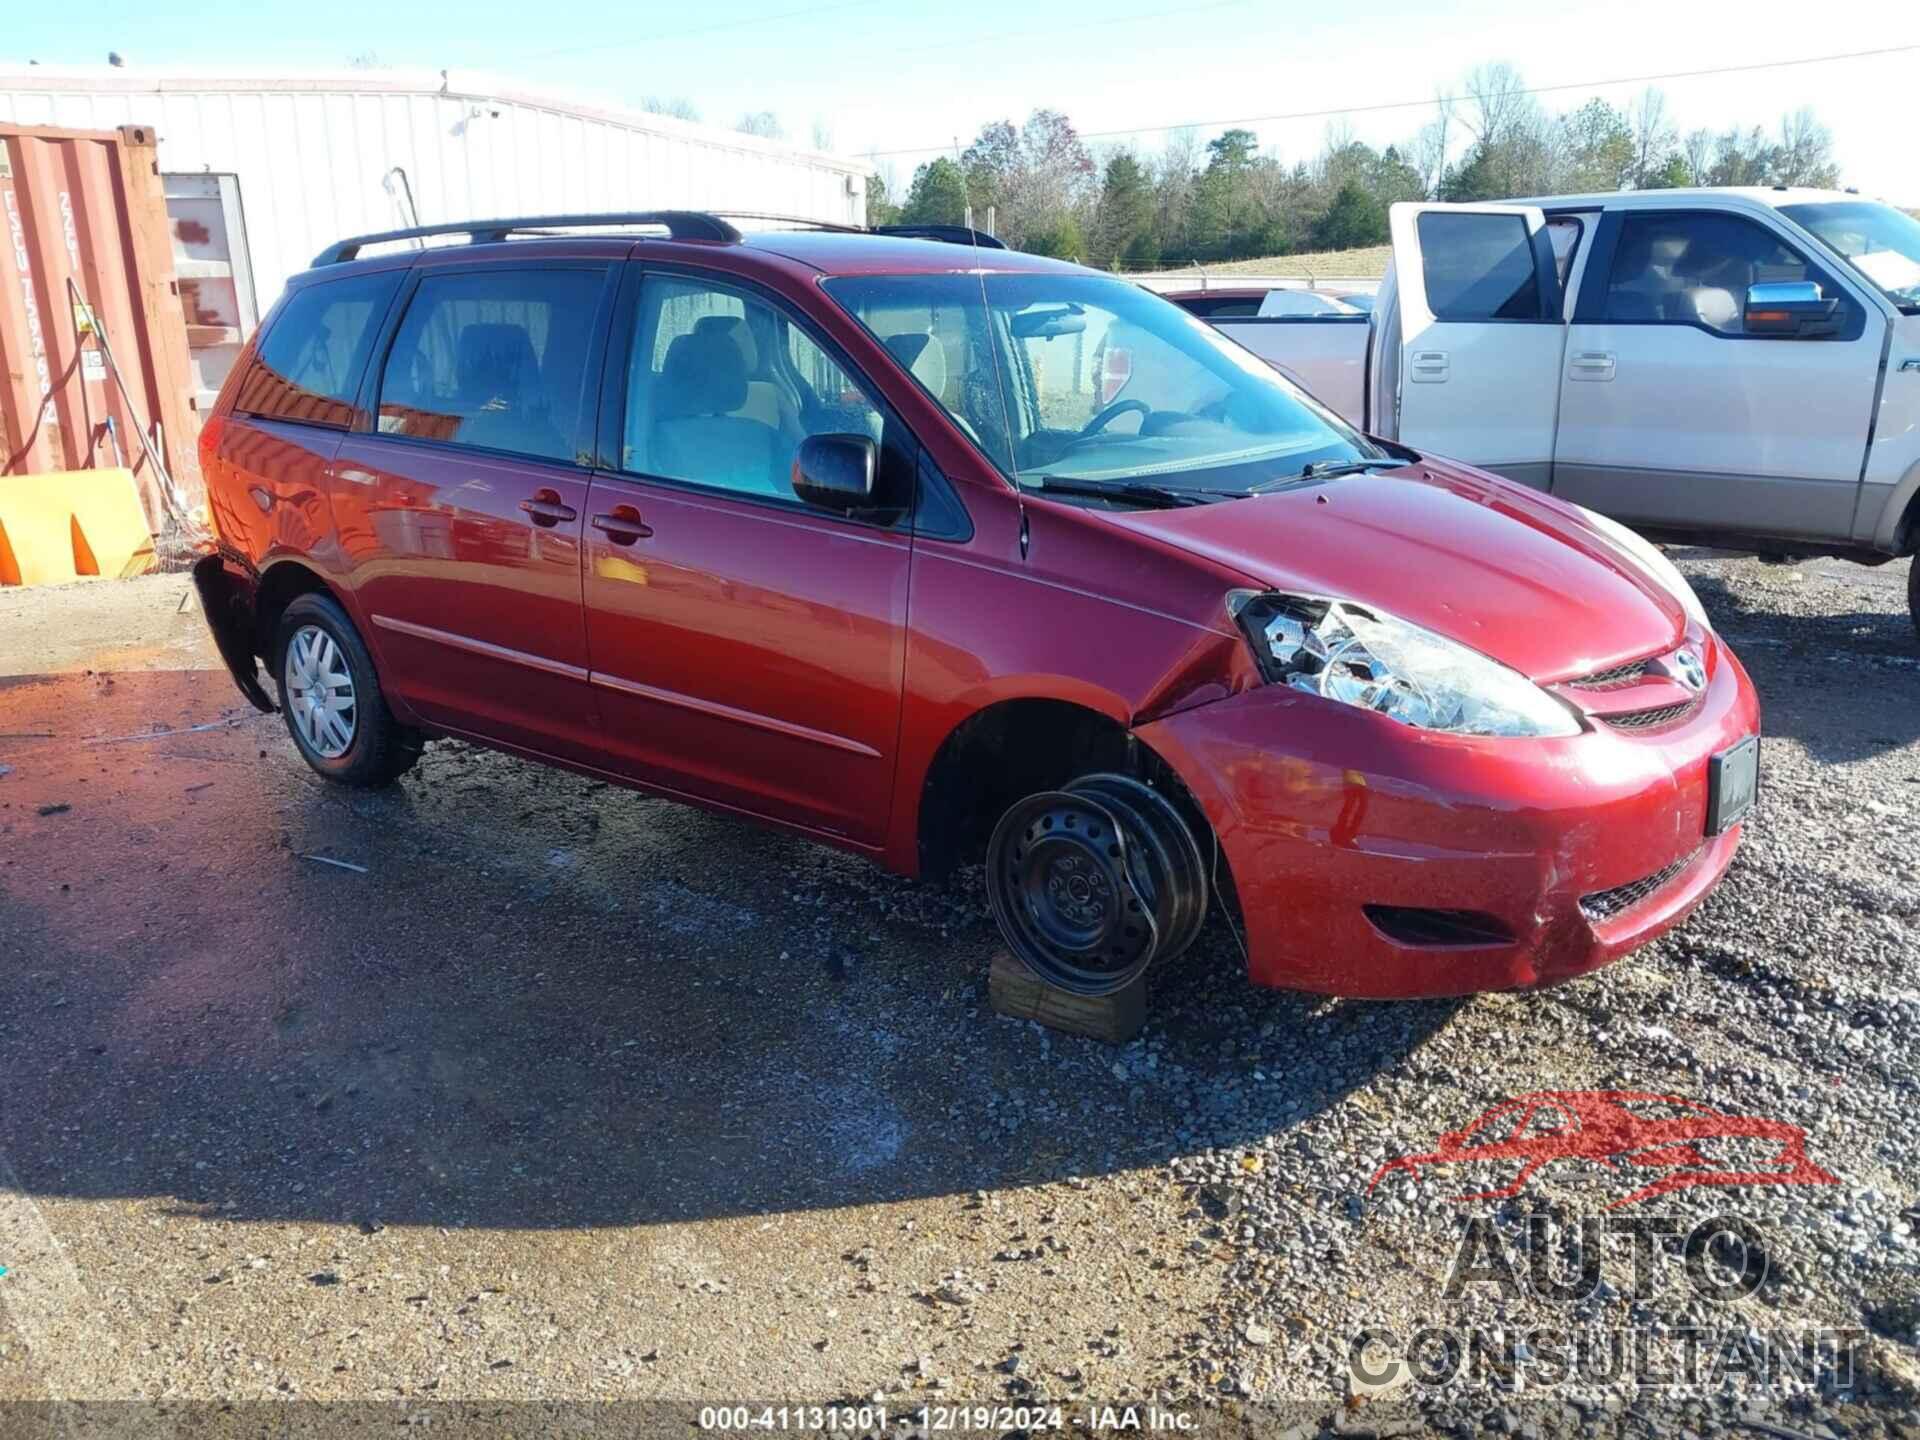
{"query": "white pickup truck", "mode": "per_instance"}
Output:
(1734, 366)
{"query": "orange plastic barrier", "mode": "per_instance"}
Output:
(72, 525)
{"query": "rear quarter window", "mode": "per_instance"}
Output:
(308, 362)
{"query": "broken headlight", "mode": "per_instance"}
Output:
(1364, 657)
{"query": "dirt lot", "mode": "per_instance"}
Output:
(507, 1086)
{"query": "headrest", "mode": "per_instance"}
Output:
(925, 359)
(736, 329)
(495, 362)
(704, 374)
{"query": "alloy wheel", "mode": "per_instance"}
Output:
(320, 693)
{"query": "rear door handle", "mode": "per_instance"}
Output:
(548, 509)
(622, 525)
(1429, 366)
(1591, 365)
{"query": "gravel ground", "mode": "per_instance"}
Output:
(560, 1093)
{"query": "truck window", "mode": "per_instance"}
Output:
(1694, 268)
(309, 360)
(1564, 233)
(1478, 267)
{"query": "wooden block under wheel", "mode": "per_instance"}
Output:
(1016, 992)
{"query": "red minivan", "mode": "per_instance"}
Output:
(941, 554)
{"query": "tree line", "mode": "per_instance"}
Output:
(1044, 189)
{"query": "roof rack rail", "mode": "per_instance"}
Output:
(952, 234)
(680, 224)
(806, 222)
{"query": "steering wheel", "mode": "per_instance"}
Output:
(1112, 413)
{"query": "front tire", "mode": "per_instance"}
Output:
(1093, 883)
(331, 699)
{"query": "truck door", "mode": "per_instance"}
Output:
(1474, 337)
(1679, 412)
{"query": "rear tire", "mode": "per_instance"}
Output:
(331, 699)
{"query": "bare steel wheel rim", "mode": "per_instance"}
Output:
(320, 693)
(1091, 884)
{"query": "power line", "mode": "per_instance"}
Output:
(1445, 99)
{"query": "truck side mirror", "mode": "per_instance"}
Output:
(1791, 309)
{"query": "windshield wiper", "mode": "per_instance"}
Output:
(1156, 496)
(1329, 470)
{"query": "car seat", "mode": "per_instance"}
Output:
(698, 433)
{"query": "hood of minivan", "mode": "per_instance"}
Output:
(1481, 560)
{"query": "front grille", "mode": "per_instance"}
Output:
(1612, 679)
(1649, 719)
(1607, 904)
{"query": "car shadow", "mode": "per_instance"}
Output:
(1801, 663)
(500, 995)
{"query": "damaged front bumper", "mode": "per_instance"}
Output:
(1372, 859)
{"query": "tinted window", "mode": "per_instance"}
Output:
(493, 358)
(1240, 308)
(309, 361)
(723, 387)
(1478, 267)
(1681, 269)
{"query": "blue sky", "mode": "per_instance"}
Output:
(885, 75)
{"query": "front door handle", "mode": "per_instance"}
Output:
(548, 509)
(1591, 365)
(1429, 366)
(622, 525)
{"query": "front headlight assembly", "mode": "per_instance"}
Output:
(1364, 657)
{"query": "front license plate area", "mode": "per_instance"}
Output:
(1733, 780)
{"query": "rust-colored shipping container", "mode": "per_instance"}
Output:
(87, 288)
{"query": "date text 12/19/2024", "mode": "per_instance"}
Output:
(950, 1419)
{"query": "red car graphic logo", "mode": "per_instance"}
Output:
(1615, 1127)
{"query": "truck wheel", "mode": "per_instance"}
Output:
(331, 699)
(1093, 883)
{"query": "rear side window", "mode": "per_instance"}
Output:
(309, 361)
(495, 359)
(1695, 269)
(1478, 267)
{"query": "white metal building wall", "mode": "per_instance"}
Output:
(313, 153)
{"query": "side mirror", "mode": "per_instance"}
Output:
(835, 472)
(1791, 308)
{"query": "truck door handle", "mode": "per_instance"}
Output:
(1429, 366)
(547, 508)
(1591, 365)
(622, 525)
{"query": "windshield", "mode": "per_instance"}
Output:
(1880, 242)
(1082, 380)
